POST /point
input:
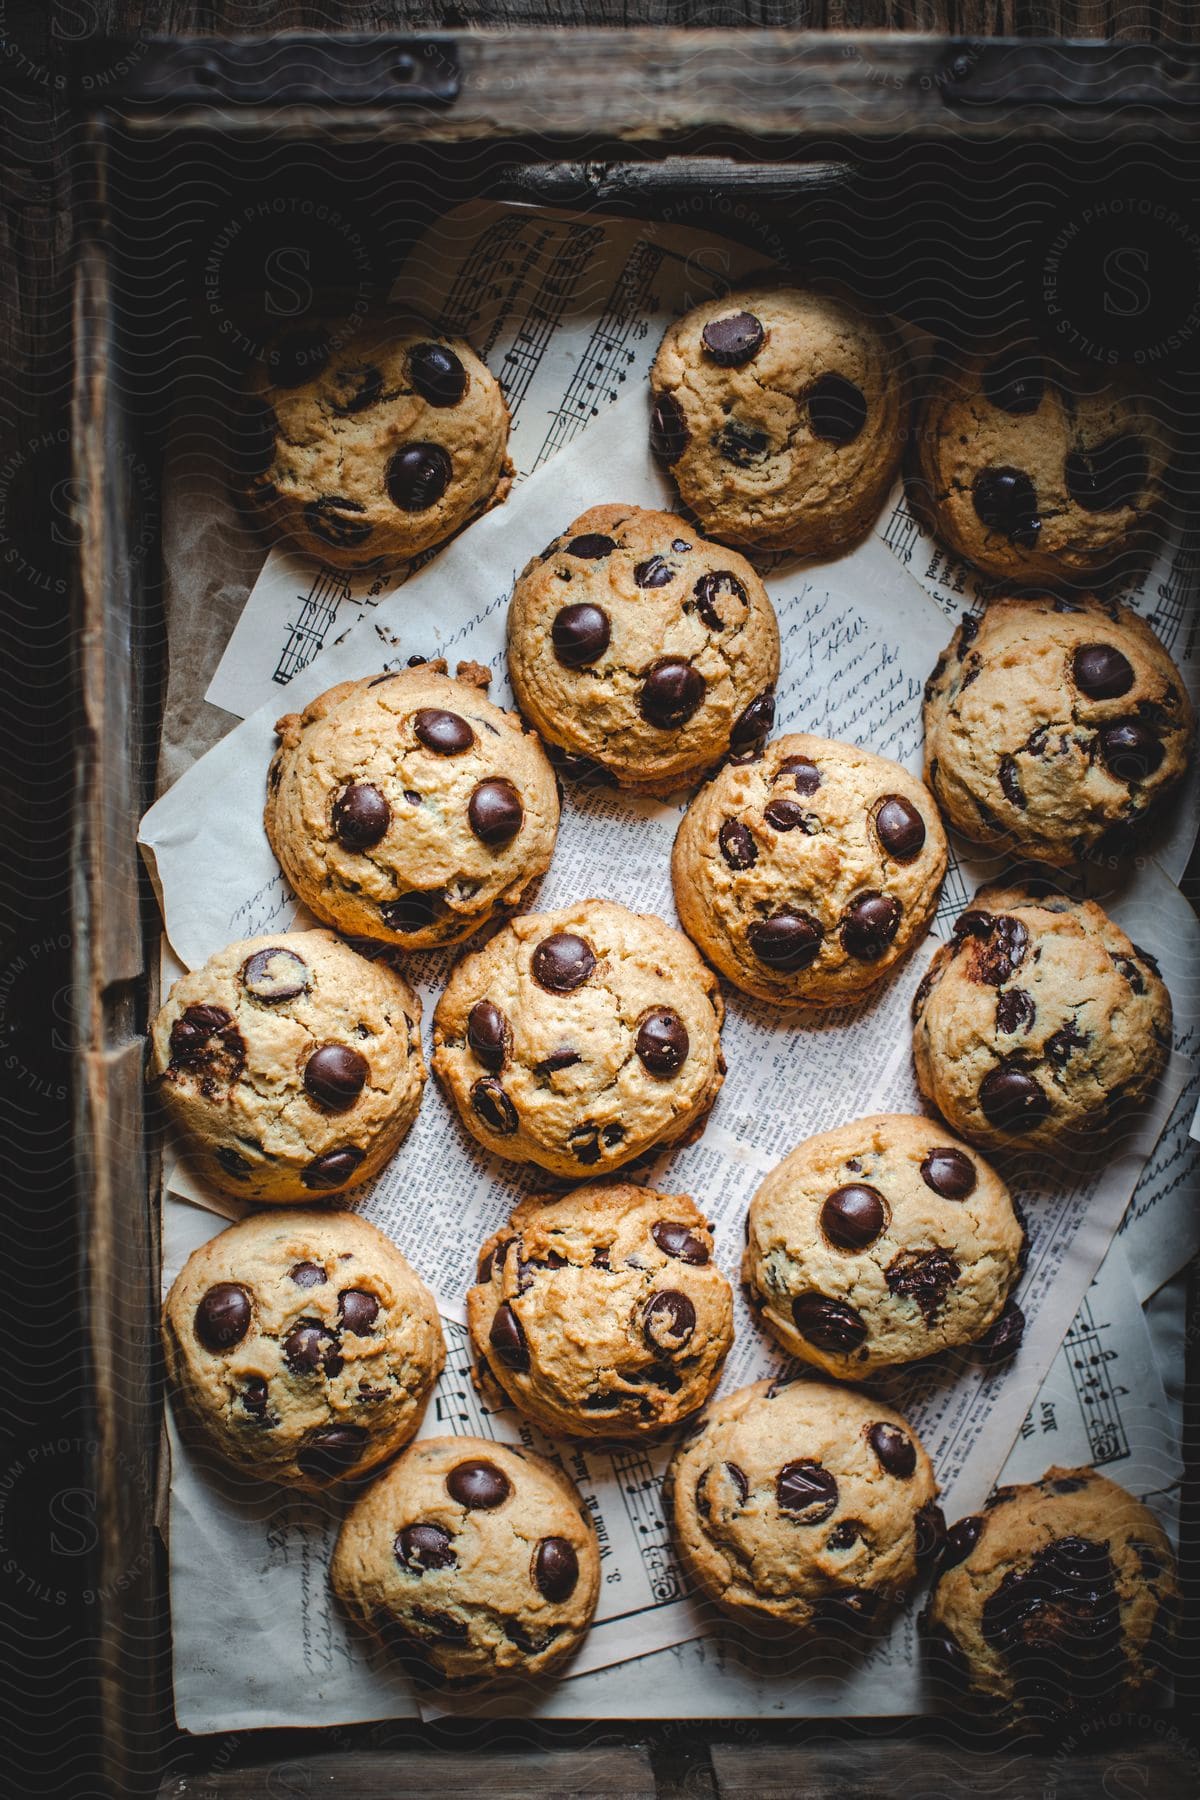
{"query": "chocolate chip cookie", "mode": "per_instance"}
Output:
(370, 442)
(803, 1502)
(601, 1314)
(1039, 1023)
(641, 652)
(806, 874)
(780, 413)
(1058, 1600)
(408, 808)
(475, 1559)
(1054, 726)
(1038, 473)
(302, 1346)
(292, 1065)
(579, 1039)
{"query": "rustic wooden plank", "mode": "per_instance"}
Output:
(606, 1772)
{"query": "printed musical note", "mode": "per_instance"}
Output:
(1089, 1359)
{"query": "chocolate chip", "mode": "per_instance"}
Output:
(417, 476)
(654, 573)
(1003, 1340)
(1061, 1044)
(733, 340)
(580, 635)
(1130, 751)
(787, 941)
(1014, 384)
(947, 1660)
(234, 1164)
(354, 389)
(807, 1491)
(708, 590)
(488, 1034)
(899, 827)
(753, 723)
(590, 546)
(837, 410)
(1107, 477)
(223, 1316)
(843, 1536)
(334, 520)
(357, 1311)
(494, 812)
(254, 1396)
(331, 1451)
(738, 1478)
(445, 733)
(829, 1324)
(274, 975)
(895, 1449)
(584, 1142)
(870, 925)
(662, 1042)
(669, 436)
(310, 1346)
(411, 912)
(333, 1169)
(562, 962)
(205, 1040)
(961, 1539)
(558, 1059)
(949, 1172)
(437, 374)
(478, 1485)
(925, 1276)
(806, 777)
(555, 1569)
(930, 1524)
(421, 1547)
(1010, 782)
(494, 1107)
(787, 815)
(680, 544)
(1012, 1100)
(737, 844)
(1006, 501)
(334, 1076)
(668, 1320)
(443, 1624)
(677, 1240)
(671, 693)
(361, 816)
(307, 1274)
(741, 444)
(1015, 1010)
(507, 1338)
(1000, 947)
(853, 1216)
(1101, 672)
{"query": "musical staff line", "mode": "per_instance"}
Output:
(642, 1496)
(306, 633)
(1089, 1362)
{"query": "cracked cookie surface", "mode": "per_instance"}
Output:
(780, 414)
(372, 441)
(882, 1242)
(1039, 1023)
(292, 1064)
(409, 809)
(804, 1502)
(1058, 1599)
(303, 1346)
(477, 1559)
(1038, 473)
(579, 1039)
(641, 649)
(806, 874)
(1049, 724)
(601, 1313)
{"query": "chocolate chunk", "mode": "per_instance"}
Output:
(1130, 751)
(310, 1346)
(738, 1478)
(930, 1526)
(1015, 1010)
(1014, 384)
(331, 519)
(806, 777)
(668, 1320)
(1010, 782)
(1107, 477)
(787, 941)
(494, 1107)
(837, 410)
(1006, 501)
(807, 1491)
(411, 912)
(494, 812)
(669, 436)
(1056, 1620)
(853, 1216)
(708, 590)
(870, 925)
(333, 1169)
(947, 1660)
(925, 1276)
(421, 1547)
(361, 816)
(445, 733)
(331, 1450)
(788, 815)
(1101, 672)
(233, 1163)
(680, 544)
(895, 1449)
(1061, 1044)
(753, 723)
(733, 340)
(1003, 1340)
(741, 444)
(334, 1076)
(590, 546)
(443, 1624)
(999, 949)
(671, 693)
(580, 635)
(1012, 1100)
(679, 1241)
(275, 975)
(223, 1316)
(584, 1142)
(949, 1172)
(507, 1338)
(899, 827)
(961, 1539)
(845, 1535)
(205, 1041)
(555, 1569)
(662, 1042)
(298, 357)
(829, 1324)
(478, 1485)
(417, 476)
(737, 844)
(353, 389)
(307, 1274)
(437, 374)
(558, 1059)
(254, 1397)
(488, 1035)
(357, 1311)
(562, 962)
(654, 573)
